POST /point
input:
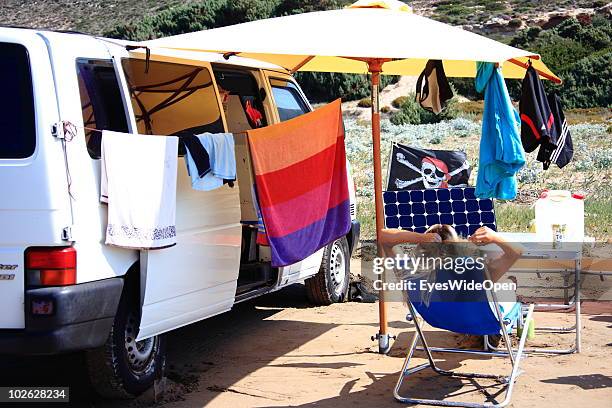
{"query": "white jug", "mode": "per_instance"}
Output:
(560, 207)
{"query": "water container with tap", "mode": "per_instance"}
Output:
(560, 207)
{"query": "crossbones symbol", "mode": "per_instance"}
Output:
(433, 172)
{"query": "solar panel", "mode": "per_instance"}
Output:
(417, 210)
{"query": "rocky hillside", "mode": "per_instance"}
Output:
(507, 17)
(485, 16)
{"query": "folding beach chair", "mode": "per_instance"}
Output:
(477, 312)
(417, 210)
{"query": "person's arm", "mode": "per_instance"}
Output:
(392, 237)
(511, 252)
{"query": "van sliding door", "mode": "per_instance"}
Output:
(197, 277)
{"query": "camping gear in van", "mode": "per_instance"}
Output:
(216, 149)
(255, 116)
(557, 208)
(302, 187)
(501, 152)
(433, 90)
(537, 120)
(411, 168)
(138, 182)
(565, 147)
(244, 172)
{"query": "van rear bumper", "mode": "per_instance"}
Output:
(82, 319)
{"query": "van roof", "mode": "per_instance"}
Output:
(182, 56)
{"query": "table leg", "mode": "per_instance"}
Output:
(577, 270)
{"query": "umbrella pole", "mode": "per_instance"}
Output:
(375, 68)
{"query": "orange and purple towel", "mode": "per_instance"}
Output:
(301, 180)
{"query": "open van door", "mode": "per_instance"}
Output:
(34, 201)
(197, 278)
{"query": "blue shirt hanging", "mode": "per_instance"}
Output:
(501, 150)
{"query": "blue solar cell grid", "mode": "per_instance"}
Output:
(417, 210)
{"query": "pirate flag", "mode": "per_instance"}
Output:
(411, 168)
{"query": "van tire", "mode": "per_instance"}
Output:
(114, 372)
(331, 283)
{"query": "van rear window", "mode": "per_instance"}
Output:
(101, 102)
(17, 127)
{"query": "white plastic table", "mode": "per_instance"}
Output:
(569, 251)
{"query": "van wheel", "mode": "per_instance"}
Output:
(123, 367)
(331, 283)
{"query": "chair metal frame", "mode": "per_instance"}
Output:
(514, 355)
(571, 304)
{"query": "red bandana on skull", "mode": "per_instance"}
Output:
(435, 173)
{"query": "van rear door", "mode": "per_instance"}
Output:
(34, 200)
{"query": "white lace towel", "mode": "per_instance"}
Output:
(138, 181)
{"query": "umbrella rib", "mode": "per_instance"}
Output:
(542, 74)
(301, 64)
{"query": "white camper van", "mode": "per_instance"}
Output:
(61, 288)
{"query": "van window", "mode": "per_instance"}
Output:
(172, 99)
(241, 99)
(17, 127)
(101, 101)
(288, 100)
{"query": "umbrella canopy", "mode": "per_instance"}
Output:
(375, 36)
(339, 41)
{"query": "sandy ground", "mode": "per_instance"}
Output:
(277, 351)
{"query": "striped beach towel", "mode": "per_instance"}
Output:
(301, 180)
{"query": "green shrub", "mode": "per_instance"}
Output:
(215, 13)
(325, 86)
(587, 83)
(365, 103)
(495, 6)
(515, 22)
(399, 101)
(471, 107)
(411, 113)
(385, 109)
(581, 55)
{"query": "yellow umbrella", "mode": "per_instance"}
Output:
(370, 36)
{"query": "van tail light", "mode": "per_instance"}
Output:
(50, 266)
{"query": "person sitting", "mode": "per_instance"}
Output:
(496, 265)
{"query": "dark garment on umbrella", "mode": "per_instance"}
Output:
(565, 147)
(537, 120)
(433, 90)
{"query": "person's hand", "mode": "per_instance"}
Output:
(484, 236)
(431, 237)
